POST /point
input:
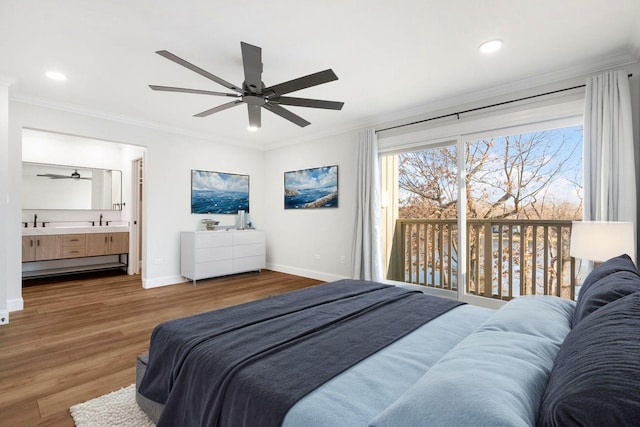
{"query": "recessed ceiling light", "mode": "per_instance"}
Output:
(54, 75)
(252, 128)
(490, 46)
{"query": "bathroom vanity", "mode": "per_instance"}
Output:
(68, 248)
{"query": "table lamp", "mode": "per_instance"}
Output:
(601, 240)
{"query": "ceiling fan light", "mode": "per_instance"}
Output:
(490, 46)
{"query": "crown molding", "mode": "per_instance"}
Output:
(147, 124)
(570, 75)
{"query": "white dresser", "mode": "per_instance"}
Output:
(218, 253)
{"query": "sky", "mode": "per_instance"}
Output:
(204, 180)
(563, 143)
(312, 178)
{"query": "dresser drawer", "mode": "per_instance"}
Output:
(249, 263)
(213, 268)
(215, 253)
(248, 237)
(248, 250)
(213, 239)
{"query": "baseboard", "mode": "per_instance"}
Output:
(15, 304)
(311, 274)
(161, 281)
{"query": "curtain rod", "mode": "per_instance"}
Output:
(457, 114)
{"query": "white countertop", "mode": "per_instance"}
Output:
(74, 228)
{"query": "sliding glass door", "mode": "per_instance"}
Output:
(517, 190)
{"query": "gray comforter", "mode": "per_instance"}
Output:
(248, 364)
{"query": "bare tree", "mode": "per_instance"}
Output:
(511, 177)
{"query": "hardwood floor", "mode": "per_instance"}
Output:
(78, 339)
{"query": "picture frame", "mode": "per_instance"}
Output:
(311, 188)
(219, 192)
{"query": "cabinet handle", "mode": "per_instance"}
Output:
(73, 252)
(105, 239)
(111, 238)
(38, 242)
(73, 240)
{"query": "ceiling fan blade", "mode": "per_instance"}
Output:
(218, 108)
(170, 56)
(315, 79)
(53, 176)
(252, 64)
(286, 114)
(196, 91)
(304, 102)
(254, 116)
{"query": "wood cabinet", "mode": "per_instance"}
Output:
(52, 254)
(74, 245)
(41, 248)
(218, 253)
(107, 244)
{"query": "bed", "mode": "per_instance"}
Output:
(355, 353)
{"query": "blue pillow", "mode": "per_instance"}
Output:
(611, 280)
(596, 375)
(494, 377)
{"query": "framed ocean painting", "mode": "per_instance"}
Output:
(218, 192)
(311, 188)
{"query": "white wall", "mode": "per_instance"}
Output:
(311, 242)
(169, 159)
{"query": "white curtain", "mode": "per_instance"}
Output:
(609, 159)
(367, 245)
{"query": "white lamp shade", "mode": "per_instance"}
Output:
(602, 240)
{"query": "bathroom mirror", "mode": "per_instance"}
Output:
(46, 186)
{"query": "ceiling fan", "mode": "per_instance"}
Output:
(253, 91)
(74, 175)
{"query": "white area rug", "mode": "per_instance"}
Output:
(118, 408)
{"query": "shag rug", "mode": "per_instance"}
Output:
(118, 408)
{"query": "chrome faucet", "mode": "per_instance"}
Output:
(100, 219)
(35, 220)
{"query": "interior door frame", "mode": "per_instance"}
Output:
(137, 185)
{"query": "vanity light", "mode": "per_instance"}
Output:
(490, 46)
(55, 75)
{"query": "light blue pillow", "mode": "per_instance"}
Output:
(494, 377)
(539, 315)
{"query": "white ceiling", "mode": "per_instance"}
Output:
(390, 56)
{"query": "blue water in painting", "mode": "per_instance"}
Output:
(310, 195)
(219, 202)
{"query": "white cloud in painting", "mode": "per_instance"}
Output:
(312, 178)
(204, 180)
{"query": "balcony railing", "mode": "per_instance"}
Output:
(505, 258)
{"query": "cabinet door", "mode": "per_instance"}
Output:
(97, 244)
(118, 243)
(28, 248)
(48, 247)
